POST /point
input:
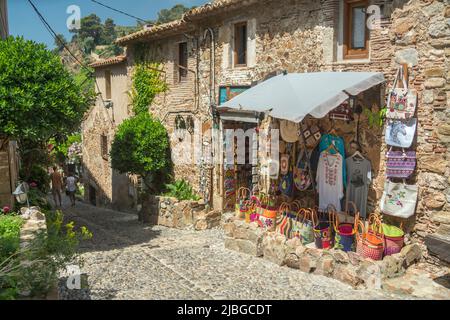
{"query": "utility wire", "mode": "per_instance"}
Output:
(56, 37)
(119, 11)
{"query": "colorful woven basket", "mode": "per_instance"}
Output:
(394, 239)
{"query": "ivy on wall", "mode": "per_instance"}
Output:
(147, 83)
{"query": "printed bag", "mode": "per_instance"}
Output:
(302, 178)
(400, 164)
(343, 112)
(401, 133)
(399, 199)
(402, 102)
(311, 134)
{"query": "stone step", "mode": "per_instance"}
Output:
(439, 245)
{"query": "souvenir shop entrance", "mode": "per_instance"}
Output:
(319, 189)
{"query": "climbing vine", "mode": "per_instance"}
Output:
(375, 118)
(147, 83)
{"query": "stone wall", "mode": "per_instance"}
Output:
(306, 35)
(347, 267)
(112, 189)
(9, 167)
(172, 213)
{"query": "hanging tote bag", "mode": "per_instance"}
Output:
(256, 205)
(343, 112)
(402, 102)
(401, 133)
(399, 199)
(302, 177)
(400, 164)
(394, 239)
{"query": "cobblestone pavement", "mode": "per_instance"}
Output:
(127, 260)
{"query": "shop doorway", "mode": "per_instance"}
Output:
(92, 196)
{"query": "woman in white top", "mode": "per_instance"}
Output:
(71, 187)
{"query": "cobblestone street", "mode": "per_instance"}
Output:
(127, 260)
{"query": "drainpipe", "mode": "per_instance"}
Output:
(212, 92)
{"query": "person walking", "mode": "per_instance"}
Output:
(57, 184)
(71, 187)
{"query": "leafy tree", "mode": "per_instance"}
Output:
(88, 45)
(109, 32)
(39, 98)
(60, 41)
(176, 12)
(141, 147)
(90, 26)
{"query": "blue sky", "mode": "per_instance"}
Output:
(24, 21)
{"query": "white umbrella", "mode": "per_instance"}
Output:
(293, 96)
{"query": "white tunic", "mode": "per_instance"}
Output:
(330, 184)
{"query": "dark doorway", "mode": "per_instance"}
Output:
(92, 195)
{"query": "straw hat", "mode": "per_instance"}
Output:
(289, 131)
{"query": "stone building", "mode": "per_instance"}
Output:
(104, 186)
(219, 49)
(9, 161)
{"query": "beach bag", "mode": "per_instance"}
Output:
(370, 242)
(302, 177)
(401, 133)
(344, 237)
(402, 102)
(399, 199)
(242, 204)
(311, 134)
(255, 209)
(394, 239)
(287, 184)
(323, 231)
(284, 221)
(343, 112)
(304, 226)
(268, 215)
(400, 164)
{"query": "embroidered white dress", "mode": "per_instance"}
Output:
(330, 184)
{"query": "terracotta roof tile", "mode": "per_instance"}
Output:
(183, 25)
(108, 62)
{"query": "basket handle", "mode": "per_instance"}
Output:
(295, 206)
(355, 208)
(284, 206)
(314, 218)
(360, 236)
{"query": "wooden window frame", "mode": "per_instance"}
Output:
(350, 53)
(182, 69)
(104, 146)
(108, 91)
(236, 42)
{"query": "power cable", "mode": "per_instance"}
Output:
(56, 37)
(119, 11)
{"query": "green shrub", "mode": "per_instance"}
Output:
(35, 269)
(39, 176)
(9, 235)
(141, 146)
(181, 190)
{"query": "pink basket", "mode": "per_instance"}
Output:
(393, 245)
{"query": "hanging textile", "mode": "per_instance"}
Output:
(329, 180)
(359, 177)
(326, 141)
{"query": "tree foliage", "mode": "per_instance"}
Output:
(39, 98)
(174, 13)
(90, 27)
(141, 147)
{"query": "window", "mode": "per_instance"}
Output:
(356, 34)
(182, 61)
(104, 146)
(108, 84)
(240, 44)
